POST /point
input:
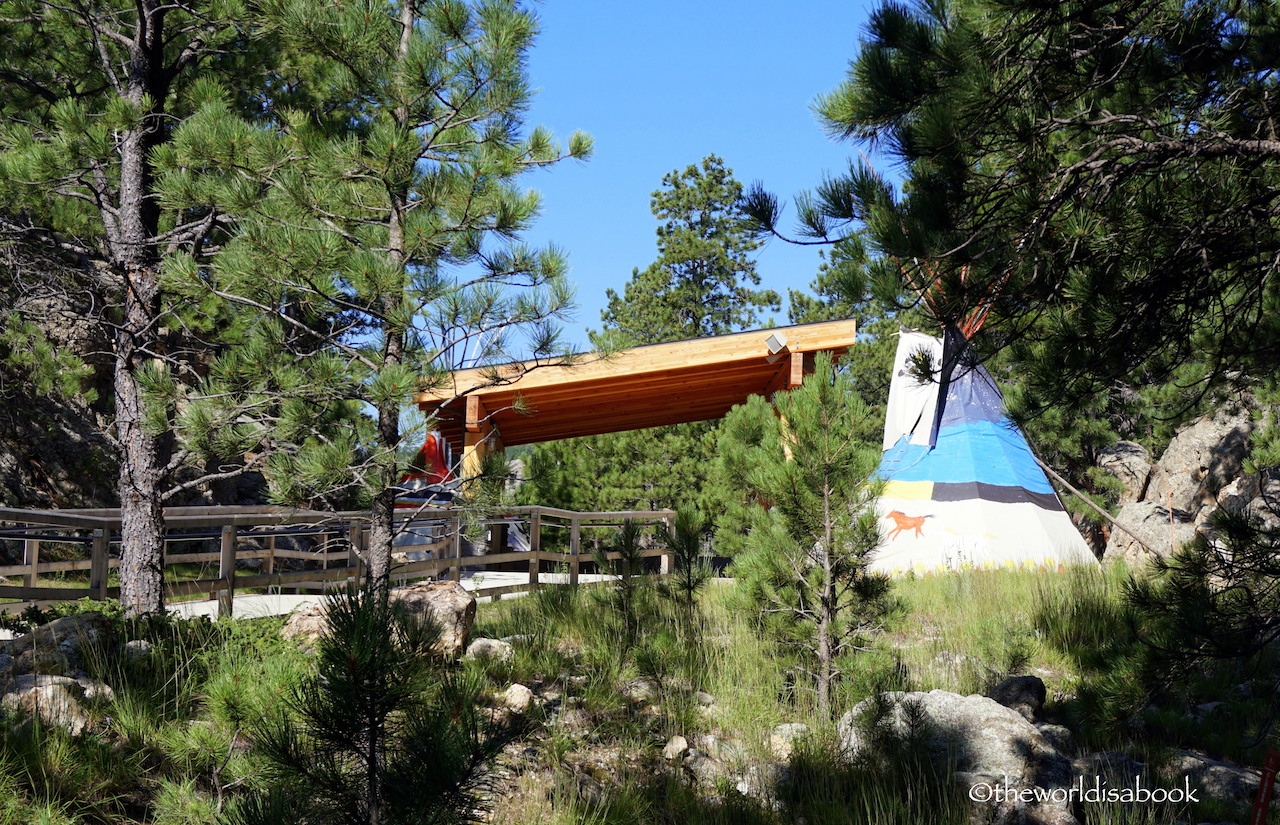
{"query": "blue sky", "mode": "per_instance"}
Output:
(660, 84)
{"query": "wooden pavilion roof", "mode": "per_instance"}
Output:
(650, 386)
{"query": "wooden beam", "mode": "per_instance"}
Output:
(831, 335)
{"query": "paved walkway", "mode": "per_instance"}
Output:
(279, 604)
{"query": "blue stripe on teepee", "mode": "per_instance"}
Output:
(977, 451)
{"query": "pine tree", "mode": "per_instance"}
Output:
(382, 732)
(811, 526)
(387, 243)
(90, 98)
(1105, 171)
(702, 282)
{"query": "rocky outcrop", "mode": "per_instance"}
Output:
(447, 603)
(1201, 459)
(973, 734)
(1201, 470)
(982, 742)
(42, 674)
(1131, 464)
(1152, 531)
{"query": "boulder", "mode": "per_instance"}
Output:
(73, 632)
(1200, 460)
(1025, 694)
(1131, 463)
(676, 746)
(306, 624)
(1163, 532)
(1215, 779)
(517, 698)
(489, 649)
(447, 602)
(972, 734)
(783, 739)
(54, 700)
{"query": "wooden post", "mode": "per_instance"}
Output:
(98, 564)
(664, 561)
(455, 550)
(269, 564)
(355, 548)
(227, 571)
(575, 550)
(31, 558)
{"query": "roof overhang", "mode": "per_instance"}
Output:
(656, 385)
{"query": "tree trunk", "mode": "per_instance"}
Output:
(142, 526)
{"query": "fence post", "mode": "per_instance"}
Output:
(664, 561)
(455, 549)
(31, 558)
(227, 570)
(269, 564)
(98, 565)
(575, 550)
(355, 547)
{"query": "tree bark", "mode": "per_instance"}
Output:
(135, 258)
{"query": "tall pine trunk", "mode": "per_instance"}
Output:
(132, 231)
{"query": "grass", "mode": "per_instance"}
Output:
(176, 742)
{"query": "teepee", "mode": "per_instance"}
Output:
(962, 487)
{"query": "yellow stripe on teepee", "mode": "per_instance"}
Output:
(912, 490)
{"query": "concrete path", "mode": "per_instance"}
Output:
(279, 604)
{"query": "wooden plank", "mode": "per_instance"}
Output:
(57, 518)
(59, 594)
(31, 556)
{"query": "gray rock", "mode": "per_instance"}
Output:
(1025, 694)
(489, 650)
(974, 734)
(1218, 780)
(137, 649)
(54, 700)
(675, 748)
(1161, 531)
(702, 766)
(1058, 737)
(723, 750)
(1200, 460)
(517, 698)
(446, 602)
(705, 699)
(640, 690)
(1116, 768)
(782, 740)
(1131, 463)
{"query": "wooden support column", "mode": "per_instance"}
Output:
(575, 550)
(790, 376)
(31, 558)
(269, 563)
(479, 438)
(227, 571)
(99, 564)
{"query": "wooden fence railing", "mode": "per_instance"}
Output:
(323, 549)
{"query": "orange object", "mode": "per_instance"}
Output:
(431, 464)
(1262, 804)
